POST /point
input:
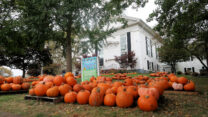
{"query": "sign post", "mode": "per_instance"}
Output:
(90, 67)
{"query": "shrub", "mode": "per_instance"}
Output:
(179, 72)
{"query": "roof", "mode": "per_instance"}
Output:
(141, 23)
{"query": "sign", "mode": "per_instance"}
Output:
(90, 68)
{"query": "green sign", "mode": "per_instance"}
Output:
(89, 68)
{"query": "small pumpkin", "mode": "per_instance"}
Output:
(17, 80)
(132, 90)
(83, 97)
(9, 80)
(25, 86)
(182, 80)
(52, 92)
(40, 89)
(49, 84)
(16, 87)
(87, 87)
(58, 80)
(31, 92)
(71, 80)
(5, 87)
(1, 79)
(110, 99)
(77, 87)
(149, 91)
(70, 97)
(190, 86)
(147, 103)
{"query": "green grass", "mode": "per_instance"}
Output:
(173, 106)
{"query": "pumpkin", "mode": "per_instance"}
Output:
(25, 86)
(133, 91)
(70, 97)
(87, 87)
(58, 80)
(120, 89)
(110, 100)
(77, 87)
(92, 78)
(16, 87)
(48, 78)
(104, 86)
(53, 92)
(17, 80)
(71, 81)
(190, 86)
(83, 97)
(109, 91)
(96, 98)
(182, 80)
(40, 89)
(49, 84)
(63, 89)
(147, 103)
(9, 80)
(5, 87)
(128, 82)
(149, 91)
(1, 79)
(68, 74)
(173, 78)
(102, 91)
(31, 92)
(117, 84)
(124, 99)
(177, 86)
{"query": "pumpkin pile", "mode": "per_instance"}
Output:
(30, 79)
(13, 84)
(99, 91)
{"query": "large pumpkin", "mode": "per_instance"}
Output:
(16, 87)
(17, 80)
(25, 86)
(87, 87)
(102, 91)
(96, 98)
(133, 90)
(77, 87)
(53, 92)
(110, 100)
(173, 78)
(68, 74)
(71, 81)
(40, 89)
(49, 84)
(83, 97)
(63, 89)
(58, 80)
(48, 78)
(1, 79)
(182, 80)
(190, 86)
(149, 91)
(5, 87)
(9, 79)
(124, 99)
(70, 97)
(147, 103)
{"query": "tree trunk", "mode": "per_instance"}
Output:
(68, 52)
(173, 69)
(23, 72)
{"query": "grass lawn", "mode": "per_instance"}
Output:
(174, 106)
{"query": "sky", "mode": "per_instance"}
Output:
(142, 13)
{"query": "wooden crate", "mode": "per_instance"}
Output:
(181, 92)
(45, 98)
(13, 92)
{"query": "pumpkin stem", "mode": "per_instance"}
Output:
(146, 96)
(98, 90)
(124, 89)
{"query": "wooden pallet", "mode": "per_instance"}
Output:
(13, 92)
(181, 92)
(45, 98)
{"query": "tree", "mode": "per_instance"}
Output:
(172, 52)
(185, 20)
(73, 17)
(126, 60)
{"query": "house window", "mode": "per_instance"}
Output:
(158, 67)
(152, 66)
(156, 52)
(184, 70)
(123, 43)
(193, 69)
(148, 47)
(146, 40)
(151, 48)
(148, 67)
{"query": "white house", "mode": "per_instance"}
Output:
(193, 65)
(137, 37)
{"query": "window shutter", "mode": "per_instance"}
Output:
(148, 65)
(129, 41)
(146, 45)
(151, 48)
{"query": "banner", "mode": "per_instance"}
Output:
(90, 68)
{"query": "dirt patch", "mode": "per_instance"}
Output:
(6, 114)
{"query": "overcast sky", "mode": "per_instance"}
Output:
(142, 13)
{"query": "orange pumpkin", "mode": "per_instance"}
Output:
(5, 87)
(102, 91)
(17, 80)
(133, 91)
(117, 84)
(40, 89)
(71, 81)
(83, 97)
(182, 80)
(77, 87)
(25, 86)
(63, 89)
(87, 87)
(9, 80)
(124, 99)
(1, 79)
(52, 92)
(173, 78)
(147, 103)
(190, 86)
(109, 91)
(96, 98)
(68, 74)
(58, 80)
(16, 87)
(149, 91)
(110, 100)
(48, 78)
(49, 84)
(31, 92)
(70, 97)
